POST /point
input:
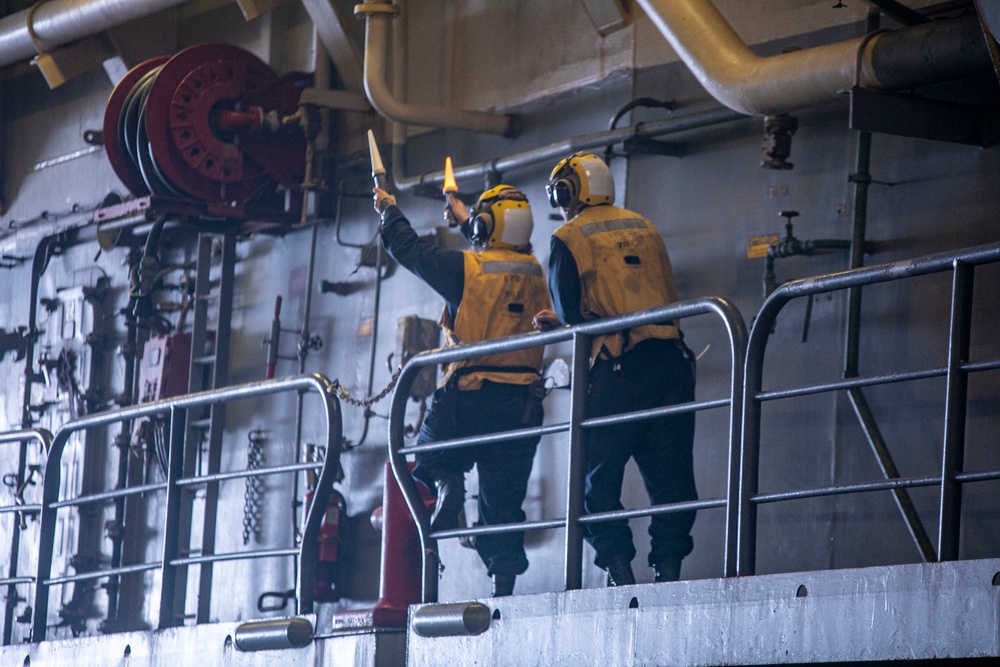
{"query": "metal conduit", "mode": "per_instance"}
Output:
(59, 22)
(959, 261)
(560, 149)
(580, 334)
(787, 82)
(177, 408)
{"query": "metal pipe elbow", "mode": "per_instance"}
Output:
(788, 82)
(381, 97)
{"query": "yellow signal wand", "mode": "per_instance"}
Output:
(450, 187)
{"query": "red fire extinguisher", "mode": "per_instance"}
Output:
(327, 586)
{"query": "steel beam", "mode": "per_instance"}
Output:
(346, 58)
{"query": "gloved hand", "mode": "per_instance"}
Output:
(455, 212)
(545, 320)
(382, 200)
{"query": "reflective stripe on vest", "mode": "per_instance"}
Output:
(610, 226)
(503, 291)
(522, 268)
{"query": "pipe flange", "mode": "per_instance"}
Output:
(361, 10)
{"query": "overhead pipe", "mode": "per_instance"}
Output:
(560, 149)
(900, 12)
(489, 170)
(377, 16)
(754, 85)
(59, 22)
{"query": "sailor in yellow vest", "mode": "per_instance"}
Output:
(490, 292)
(607, 261)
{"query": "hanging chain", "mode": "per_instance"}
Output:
(252, 512)
(345, 396)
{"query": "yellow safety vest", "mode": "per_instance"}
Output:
(503, 291)
(624, 267)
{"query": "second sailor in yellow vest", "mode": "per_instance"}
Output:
(607, 261)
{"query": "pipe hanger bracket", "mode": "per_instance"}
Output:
(362, 10)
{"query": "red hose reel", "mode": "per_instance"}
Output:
(211, 124)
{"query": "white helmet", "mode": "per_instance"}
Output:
(502, 217)
(582, 177)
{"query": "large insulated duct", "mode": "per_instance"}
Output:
(59, 22)
(377, 16)
(755, 85)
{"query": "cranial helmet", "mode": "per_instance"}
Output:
(502, 217)
(582, 177)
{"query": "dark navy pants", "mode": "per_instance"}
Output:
(504, 467)
(654, 373)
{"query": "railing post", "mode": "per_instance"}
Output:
(176, 486)
(21, 437)
(407, 485)
(172, 519)
(47, 535)
(746, 533)
(574, 470)
(309, 546)
(952, 458)
(738, 350)
(749, 467)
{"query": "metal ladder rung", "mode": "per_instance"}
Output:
(204, 422)
(206, 360)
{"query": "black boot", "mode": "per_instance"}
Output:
(503, 585)
(620, 572)
(450, 503)
(668, 569)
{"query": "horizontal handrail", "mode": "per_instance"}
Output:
(250, 472)
(723, 309)
(176, 407)
(562, 427)
(844, 489)
(597, 517)
(104, 496)
(100, 574)
(16, 580)
(43, 438)
(875, 380)
(489, 438)
(32, 508)
(235, 555)
(960, 262)
(39, 435)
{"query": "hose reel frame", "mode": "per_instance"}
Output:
(163, 137)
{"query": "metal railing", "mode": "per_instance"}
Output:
(19, 509)
(573, 521)
(962, 263)
(175, 486)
